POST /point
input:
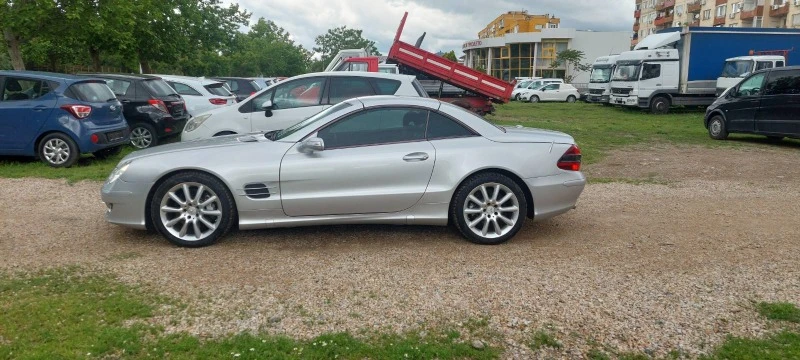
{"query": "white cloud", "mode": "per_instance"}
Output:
(448, 23)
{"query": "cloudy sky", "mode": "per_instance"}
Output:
(449, 23)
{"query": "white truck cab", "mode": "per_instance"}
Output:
(737, 68)
(600, 79)
(642, 76)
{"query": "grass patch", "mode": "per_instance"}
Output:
(68, 314)
(782, 311)
(542, 339)
(780, 346)
(86, 168)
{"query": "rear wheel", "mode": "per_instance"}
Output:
(716, 128)
(192, 209)
(571, 99)
(488, 209)
(58, 150)
(659, 105)
(534, 99)
(143, 136)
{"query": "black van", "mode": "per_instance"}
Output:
(765, 103)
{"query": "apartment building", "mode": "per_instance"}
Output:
(514, 22)
(653, 15)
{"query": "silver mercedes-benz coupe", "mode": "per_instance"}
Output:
(377, 160)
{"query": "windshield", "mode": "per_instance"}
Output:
(600, 75)
(626, 72)
(96, 92)
(297, 127)
(523, 84)
(218, 89)
(158, 87)
(737, 68)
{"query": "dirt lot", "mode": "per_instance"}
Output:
(671, 263)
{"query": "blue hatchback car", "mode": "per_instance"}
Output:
(58, 117)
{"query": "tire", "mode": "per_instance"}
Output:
(143, 136)
(211, 215)
(716, 128)
(58, 150)
(571, 99)
(107, 152)
(659, 105)
(534, 99)
(516, 97)
(223, 133)
(466, 211)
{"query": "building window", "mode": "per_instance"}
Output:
(553, 26)
(796, 20)
(721, 10)
(504, 52)
(707, 14)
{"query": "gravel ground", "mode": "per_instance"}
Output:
(648, 267)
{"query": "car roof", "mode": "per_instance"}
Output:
(123, 76)
(201, 80)
(43, 75)
(784, 68)
(380, 100)
(379, 75)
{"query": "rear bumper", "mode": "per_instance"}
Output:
(107, 137)
(555, 195)
(171, 126)
(125, 203)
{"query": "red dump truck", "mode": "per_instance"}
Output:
(447, 80)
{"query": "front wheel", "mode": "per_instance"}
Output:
(516, 97)
(58, 150)
(659, 105)
(192, 209)
(534, 99)
(716, 128)
(571, 99)
(489, 209)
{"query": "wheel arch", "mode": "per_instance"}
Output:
(41, 136)
(513, 176)
(163, 177)
(712, 114)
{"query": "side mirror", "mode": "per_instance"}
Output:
(267, 107)
(312, 144)
(744, 75)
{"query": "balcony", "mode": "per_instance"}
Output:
(666, 4)
(720, 20)
(636, 27)
(637, 14)
(779, 10)
(694, 7)
(751, 13)
(666, 20)
(721, 2)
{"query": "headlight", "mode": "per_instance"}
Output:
(118, 171)
(195, 122)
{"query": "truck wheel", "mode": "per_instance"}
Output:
(716, 128)
(659, 105)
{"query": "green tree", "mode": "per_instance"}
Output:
(341, 38)
(451, 55)
(268, 50)
(573, 58)
(20, 21)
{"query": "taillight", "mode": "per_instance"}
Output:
(158, 104)
(252, 93)
(571, 160)
(218, 101)
(78, 111)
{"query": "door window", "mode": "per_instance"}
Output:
(386, 86)
(783, 83)
(298, 93)
(24, 89)
(255, 105)
(550, 87)
(343, 88)
(119, 87)
(751, 86)
(442, 127)
(233, 85)
(184, 89)
(376, 126)
(763, 65)
(651, 71)
(780, 63)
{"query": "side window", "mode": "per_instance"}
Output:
(779, 63)
(376, 126)
(119, 87)
(298, 93)
(651, 71)
(783, 83)
(256, 103)
(386, 86)
(550, 87)
(16, 89)
(233, 85)
(763, 65)
(442, 127)
(751, 86)
(183, 89)
(343, 88)
(359, 66)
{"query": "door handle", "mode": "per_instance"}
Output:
(125, 101)
(417, 156)
(40, 108)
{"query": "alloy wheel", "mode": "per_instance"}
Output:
(56, 151)
(191, 211)
(716, 127)
(491, 210)
(141, 138)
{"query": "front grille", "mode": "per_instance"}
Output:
(621, 91)
(256, 191)
(596, 91)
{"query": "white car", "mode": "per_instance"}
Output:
(295, 99)
(516, 94)
(552, 92)
(200, 94)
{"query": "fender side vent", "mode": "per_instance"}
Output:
(256, 191)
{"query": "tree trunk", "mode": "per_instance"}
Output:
(146, 66)
(14, 52)
(94, 53)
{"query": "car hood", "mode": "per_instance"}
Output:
(519, 134)
(214, 142)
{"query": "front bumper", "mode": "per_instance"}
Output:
(555, 195)
(624, 100)
(126, 202)
(592, 98)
